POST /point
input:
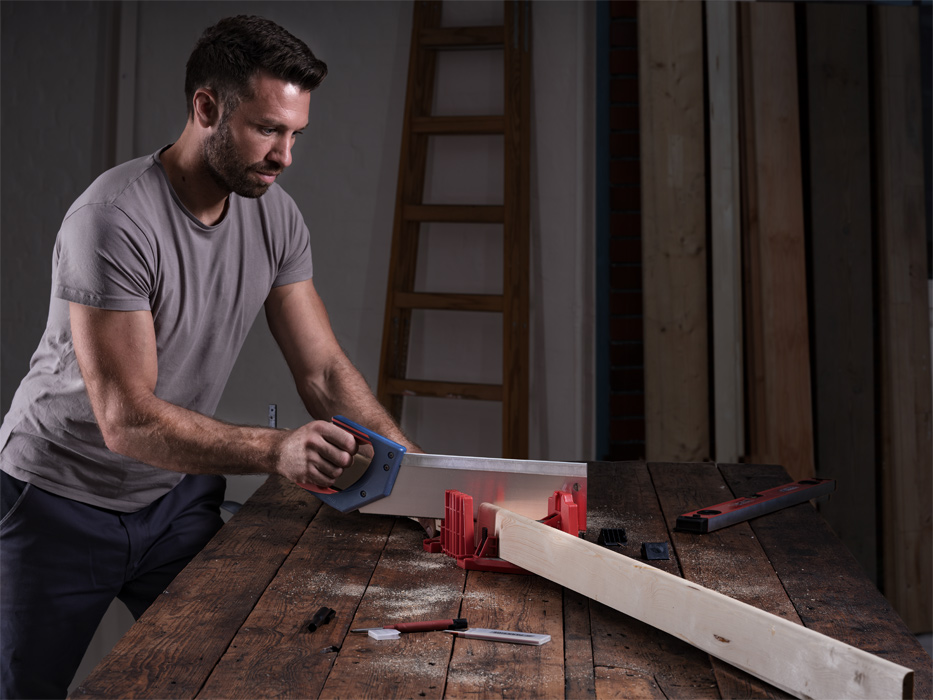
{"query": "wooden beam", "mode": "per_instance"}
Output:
(841, 262)
(780, 413)
(725, 230)
(673, 187)
(904, 370)
(789, 656)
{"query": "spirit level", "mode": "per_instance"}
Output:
(740, 509)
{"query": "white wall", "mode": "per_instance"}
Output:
(56, 106)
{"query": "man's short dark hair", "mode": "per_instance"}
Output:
(231, 52)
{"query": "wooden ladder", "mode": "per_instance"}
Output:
(427, 38)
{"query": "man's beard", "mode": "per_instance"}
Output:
(229, 171)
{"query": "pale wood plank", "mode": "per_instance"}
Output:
(673, 184)
(776, 306)
(787, 655)
(906, 452)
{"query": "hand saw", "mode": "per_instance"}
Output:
(396, 482)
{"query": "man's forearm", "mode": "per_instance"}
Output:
(170, 437)
(343, 391)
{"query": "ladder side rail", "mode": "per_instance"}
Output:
(412, 167)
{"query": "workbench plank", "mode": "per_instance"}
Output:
(274, 654)
(164, 655)
(827, 586)
(745, 574)
(625, 684)
(523, 603)
(579, 674)
(631, 658)
(408, 585)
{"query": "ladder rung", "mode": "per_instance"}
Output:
(493, 124)
(460, 37)
(451, 302)
(444, 390)
(457, 213)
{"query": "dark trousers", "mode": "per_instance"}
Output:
(63, 562)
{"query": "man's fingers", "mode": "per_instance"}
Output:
(340, 439)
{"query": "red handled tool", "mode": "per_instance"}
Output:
(458, 623)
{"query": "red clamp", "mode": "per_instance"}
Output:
(458, 538)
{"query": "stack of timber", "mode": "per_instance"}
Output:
(816, 304)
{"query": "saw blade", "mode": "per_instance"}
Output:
(521, 485)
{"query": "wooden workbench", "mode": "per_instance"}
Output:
(233, 624)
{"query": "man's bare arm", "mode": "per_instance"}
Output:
(116, 351)
(328, 383)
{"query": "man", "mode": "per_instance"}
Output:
(111, 465)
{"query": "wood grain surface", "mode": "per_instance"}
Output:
(234, 622)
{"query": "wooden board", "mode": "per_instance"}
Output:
(906, 452)
(182, 656)
(841, 245)
(673, 186)
(780, 414)
(758, 642)
(725, 230)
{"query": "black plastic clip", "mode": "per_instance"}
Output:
(654, 550)
(612, 537)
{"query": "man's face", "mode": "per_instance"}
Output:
(252, 145)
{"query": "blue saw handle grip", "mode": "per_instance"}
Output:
(378, 479)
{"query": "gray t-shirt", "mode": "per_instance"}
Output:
(128, 244)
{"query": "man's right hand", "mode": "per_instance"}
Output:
(316, 453)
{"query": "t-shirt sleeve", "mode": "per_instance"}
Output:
(104, 260)
(295, 263)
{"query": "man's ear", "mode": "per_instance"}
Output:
(206, 108)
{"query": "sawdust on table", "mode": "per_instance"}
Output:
(413, 601)
(320, 583)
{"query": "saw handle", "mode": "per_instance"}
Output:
(378, 479)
